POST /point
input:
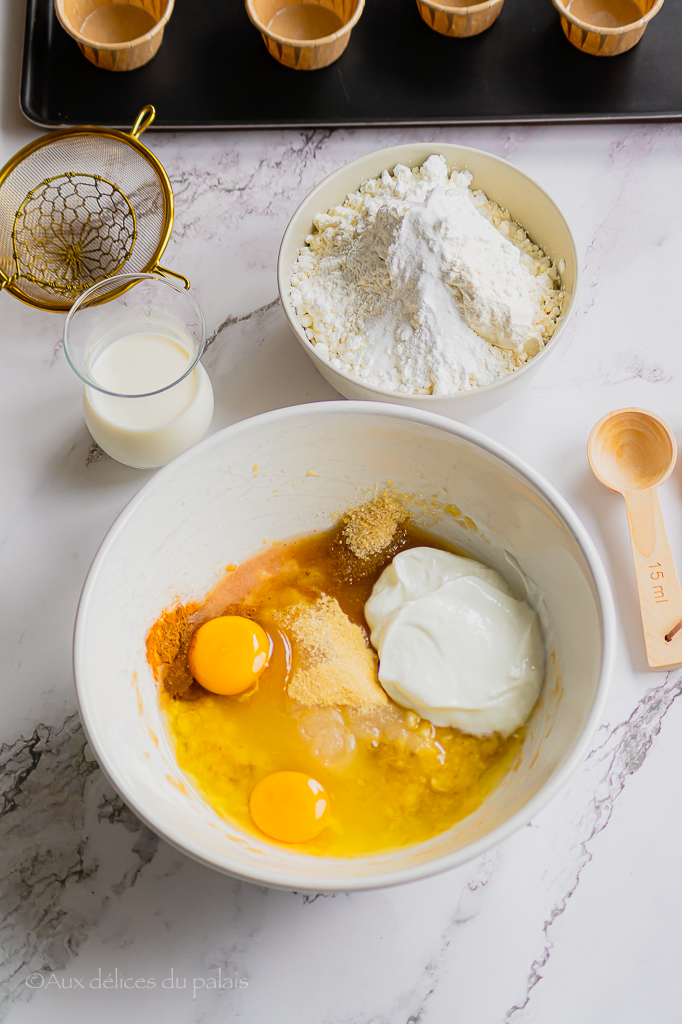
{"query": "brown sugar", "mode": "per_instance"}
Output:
(334, 664)
(368, 536)
(370, 528)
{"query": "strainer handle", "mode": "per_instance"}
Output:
(143, 121)
(171, 273)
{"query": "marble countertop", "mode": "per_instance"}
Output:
(576, 917)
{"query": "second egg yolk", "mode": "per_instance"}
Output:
(228, 654)
(290, 807)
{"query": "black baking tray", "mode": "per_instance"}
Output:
(213, 71)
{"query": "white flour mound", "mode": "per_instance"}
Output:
(420, 285)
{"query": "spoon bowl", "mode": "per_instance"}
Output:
(631, 449)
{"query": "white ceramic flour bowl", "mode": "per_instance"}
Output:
(210, 507)
(528, 204)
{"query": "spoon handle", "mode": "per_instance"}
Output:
(660, 594)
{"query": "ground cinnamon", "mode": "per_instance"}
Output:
(167, 645)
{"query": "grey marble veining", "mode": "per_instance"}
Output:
(621, 753)
(60, 863)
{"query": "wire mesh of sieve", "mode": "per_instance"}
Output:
(79, 206)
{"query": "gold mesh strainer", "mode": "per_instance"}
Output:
(79, 205)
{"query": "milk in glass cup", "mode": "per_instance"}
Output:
(135, 340)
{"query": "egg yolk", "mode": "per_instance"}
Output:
(290, 807)
(228, 654)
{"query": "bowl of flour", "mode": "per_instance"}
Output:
(430, 275)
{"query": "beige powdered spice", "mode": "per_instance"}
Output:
(334, 665)
(370, 528)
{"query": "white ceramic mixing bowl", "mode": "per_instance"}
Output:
(220, 501)
(528, 204)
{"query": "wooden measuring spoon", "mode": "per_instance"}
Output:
(632, 451)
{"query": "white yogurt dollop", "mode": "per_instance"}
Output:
(454, 644)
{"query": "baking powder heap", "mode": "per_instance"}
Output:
(420, 285)
(334, 663)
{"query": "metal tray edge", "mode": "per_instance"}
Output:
(299, 125)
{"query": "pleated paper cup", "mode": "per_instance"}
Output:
(304, 54)
(606, 42)
(125, 56)
(462, 21)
